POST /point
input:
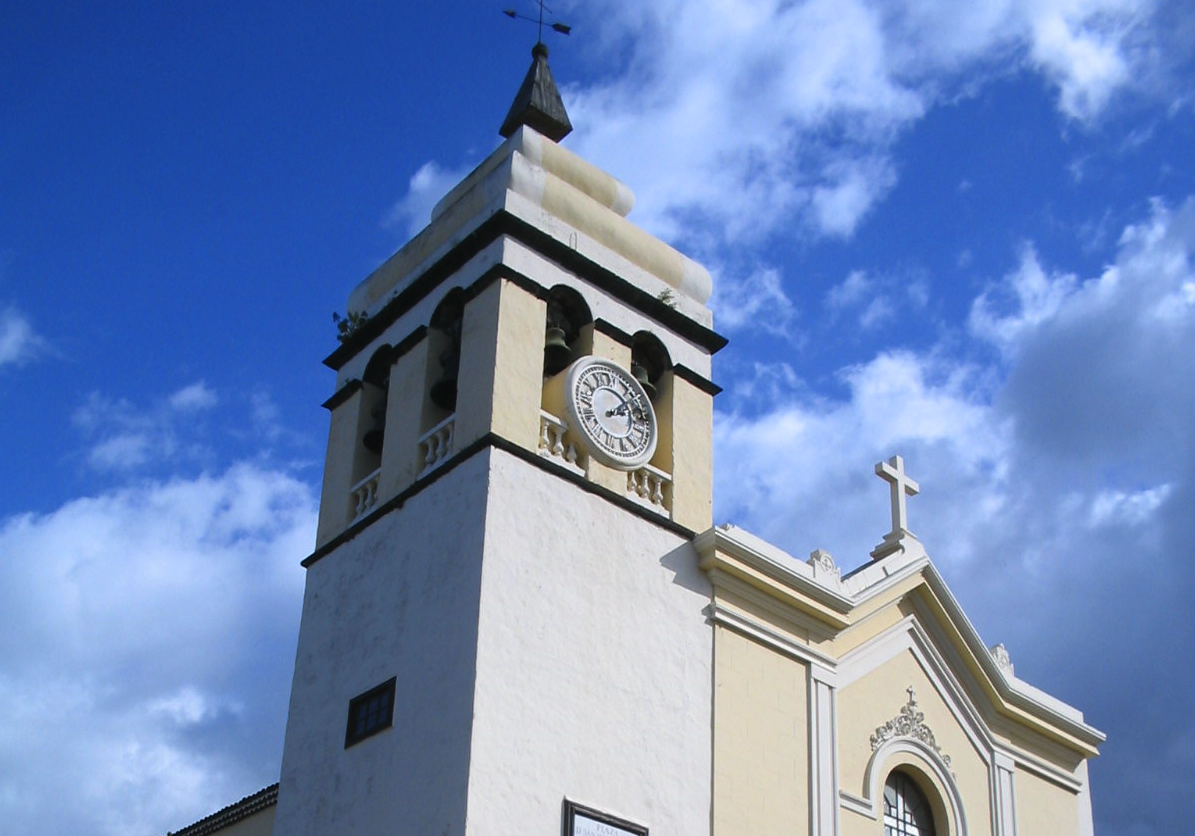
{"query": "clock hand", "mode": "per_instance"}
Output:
(621, 409)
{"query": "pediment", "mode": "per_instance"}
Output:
(895, 607)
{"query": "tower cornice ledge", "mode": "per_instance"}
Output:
(505, 224)
(572, 201)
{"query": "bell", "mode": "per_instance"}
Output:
(444, 390)
(374, 436)
(557, 354)
(640, 374)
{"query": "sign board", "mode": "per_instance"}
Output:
(584, 821)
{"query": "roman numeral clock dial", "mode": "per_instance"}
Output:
(611, 412)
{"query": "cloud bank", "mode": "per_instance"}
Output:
(1056, 477)
(721, 108)
(150, 627)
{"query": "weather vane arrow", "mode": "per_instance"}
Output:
(562, 28)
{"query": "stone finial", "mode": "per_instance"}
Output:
(825, 569)
(538, 104)
(1003, 660)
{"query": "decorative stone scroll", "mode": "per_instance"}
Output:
(909, 723)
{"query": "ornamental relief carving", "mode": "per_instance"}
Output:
(910, 722)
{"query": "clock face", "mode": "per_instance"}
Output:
(612, 413)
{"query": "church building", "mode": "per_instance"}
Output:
(519, 616)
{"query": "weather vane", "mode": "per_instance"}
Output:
(562, 28)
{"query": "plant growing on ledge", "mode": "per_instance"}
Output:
(347, 325)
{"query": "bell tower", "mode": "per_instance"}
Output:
(503, 621)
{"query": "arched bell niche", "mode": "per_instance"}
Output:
(649, 362)
(565, 336)
(444, 358)
(374, 396)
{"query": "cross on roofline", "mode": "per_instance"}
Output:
(893, 472)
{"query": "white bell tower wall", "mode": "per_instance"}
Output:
(542, 615)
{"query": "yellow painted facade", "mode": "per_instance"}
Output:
(761, 743)
(1044, 808)
(906, 687)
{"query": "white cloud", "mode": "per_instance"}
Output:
(803, 465)
(125, 451)
(1128, 508)
(765, 385)
(1084, 48)
(871, 299)
(851, 190)
(849, 291)
(1104, 364)
(427, 185)
(186, 707)
(193, 398)
(1033, 296)
(124, 436)
(18, 340)
(758, 300)
(146, 657)
(878, 311)
(1092, 397)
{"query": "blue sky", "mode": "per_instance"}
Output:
(959, 232)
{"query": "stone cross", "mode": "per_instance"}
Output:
(893, 472)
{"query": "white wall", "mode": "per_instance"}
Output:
(594, 664)
(573, 659)
(399, 599)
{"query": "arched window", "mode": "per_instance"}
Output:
(906, 809)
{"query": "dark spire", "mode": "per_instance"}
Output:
(538, 104)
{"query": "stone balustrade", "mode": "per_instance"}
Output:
(365, 495)
(436, 444)
(650, 486)
(552, 441)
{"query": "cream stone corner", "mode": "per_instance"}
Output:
(605, 345)
(499, 382)
(686, 419)
(347, 427)
(409, 410)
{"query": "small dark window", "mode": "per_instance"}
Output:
(370, 712)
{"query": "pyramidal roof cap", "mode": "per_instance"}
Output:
(538, 104)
